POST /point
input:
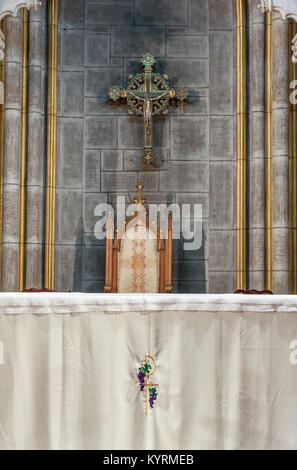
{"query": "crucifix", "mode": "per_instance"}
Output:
(148, 94)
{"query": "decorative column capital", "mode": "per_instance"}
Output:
(11, 8)
(265, 5)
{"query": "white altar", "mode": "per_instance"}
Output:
(226, 371)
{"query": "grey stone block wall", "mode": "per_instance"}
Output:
(100, 145)
(70, 148)
(222, 152)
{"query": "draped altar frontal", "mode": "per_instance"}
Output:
(225, 369)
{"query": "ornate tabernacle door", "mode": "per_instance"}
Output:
(138, 261)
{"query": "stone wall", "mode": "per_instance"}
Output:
(100, 145)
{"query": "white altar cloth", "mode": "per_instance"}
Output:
(69, 374)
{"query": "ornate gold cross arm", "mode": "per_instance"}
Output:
(147, 95)
(115, 93)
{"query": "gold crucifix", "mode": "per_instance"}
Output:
(148, 94)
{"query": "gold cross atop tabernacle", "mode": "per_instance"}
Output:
(148, 94)
(139, 200)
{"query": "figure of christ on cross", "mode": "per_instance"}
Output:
(148, 108)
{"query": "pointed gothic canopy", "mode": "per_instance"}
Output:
(287, 9)
(11, 8)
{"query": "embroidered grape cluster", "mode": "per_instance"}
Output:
(141, 374)
(141, 377)
(153, 396)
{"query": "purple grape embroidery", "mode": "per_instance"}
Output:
(141, 377)
(153, 396)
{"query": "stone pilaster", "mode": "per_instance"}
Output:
(12, 127)
(36, 148)
(280, 156)
(256, 173)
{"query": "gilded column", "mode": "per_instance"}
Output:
(293, 166)
(23, 154)
(50, 216)
(2, 76)
(268, 154)
(241, 194)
